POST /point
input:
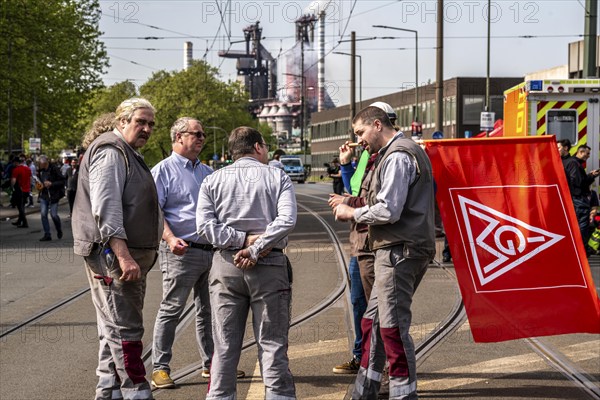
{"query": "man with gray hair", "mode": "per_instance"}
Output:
(53, 189)
(117, 233)
(247, 210)
(185, 257)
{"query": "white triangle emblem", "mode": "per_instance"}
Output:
(507, 242)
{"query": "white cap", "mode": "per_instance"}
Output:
(387, 108)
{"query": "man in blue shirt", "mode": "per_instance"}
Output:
(185, 257)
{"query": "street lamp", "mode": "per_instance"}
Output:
(359, 74)
(215, 139)
(416, 63)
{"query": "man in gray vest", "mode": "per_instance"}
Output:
(247, 210)
(400, 215)
(116, 230)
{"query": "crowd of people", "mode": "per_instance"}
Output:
(229, 255)
(27, 178)
(584, 199)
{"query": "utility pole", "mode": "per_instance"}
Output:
(439, 70)
(352, 83)
(590, 39)
(487, 79)
(10, 122)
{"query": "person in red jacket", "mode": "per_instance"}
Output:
(21, 181)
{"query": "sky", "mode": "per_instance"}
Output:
(143, 37)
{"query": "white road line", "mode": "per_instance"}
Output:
(507, 365)
(257, 389)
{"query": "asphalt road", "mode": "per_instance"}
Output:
(55, 357)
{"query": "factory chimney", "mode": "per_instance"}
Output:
(321, 63)
(188, 49)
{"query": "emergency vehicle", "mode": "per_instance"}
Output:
(568, 108)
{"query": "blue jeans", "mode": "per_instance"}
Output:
(44, 205)
(359, 304)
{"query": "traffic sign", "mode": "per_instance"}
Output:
(35, 144)
(487, 121)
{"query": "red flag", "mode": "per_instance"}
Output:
(514, 237)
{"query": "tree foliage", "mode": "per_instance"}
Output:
(50, 56)
(196, 92)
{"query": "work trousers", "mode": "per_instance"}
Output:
(266, 290)
(119, 304)
(181, 275)
(386, 325)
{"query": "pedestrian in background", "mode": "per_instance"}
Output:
(72, 177)
(247, 210)
(334, 172)
(400, 215)
(53, 189)
(579, 185)
(21, 182)
(33, 170)
(276, 161)
(117, 232)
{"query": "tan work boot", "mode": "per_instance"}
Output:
(162, 380)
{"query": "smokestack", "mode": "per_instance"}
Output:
(321, 63)
(188, 48)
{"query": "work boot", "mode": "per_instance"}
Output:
(162, 380)
(351, 367)
(206, 373)
(46, 238)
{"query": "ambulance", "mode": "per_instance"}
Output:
(567, 108)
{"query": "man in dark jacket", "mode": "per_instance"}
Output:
(53, 190)
(579, 185)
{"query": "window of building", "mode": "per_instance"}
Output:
(563, 124)
(449, 110)
(474, 105)
(472, 108)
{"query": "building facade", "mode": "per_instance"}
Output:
(464, 100)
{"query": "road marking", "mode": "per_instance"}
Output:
(507, 366)
(323, 347)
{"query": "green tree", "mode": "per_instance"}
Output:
(100, 101)
(50, 59)
(196, 92)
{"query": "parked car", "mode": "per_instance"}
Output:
(294, 167)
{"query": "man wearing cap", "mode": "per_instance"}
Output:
(400, 216)
(361, 266)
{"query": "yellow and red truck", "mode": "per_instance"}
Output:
(567, 108)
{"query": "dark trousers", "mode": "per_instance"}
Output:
(71, 197)
(582, 210)
(338, 186)
(19, 199)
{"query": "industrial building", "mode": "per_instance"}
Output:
(464, 100)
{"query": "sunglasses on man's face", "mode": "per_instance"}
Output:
(198, 134)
